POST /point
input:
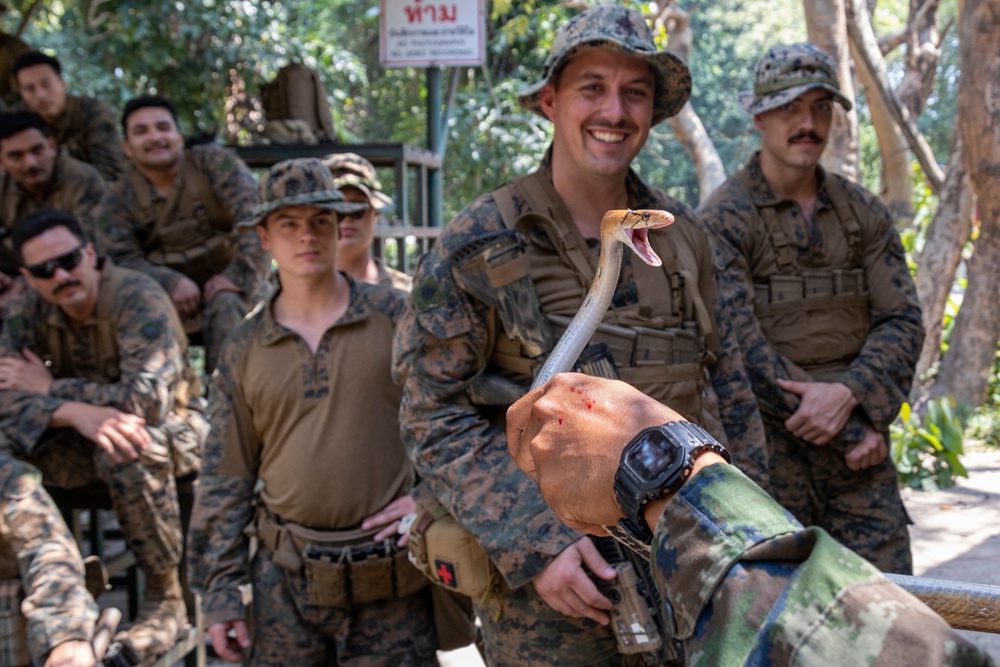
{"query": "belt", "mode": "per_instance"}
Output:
(351, 554)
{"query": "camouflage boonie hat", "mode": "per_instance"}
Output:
(352, 169)
(787, 71)
(301, 182)
(616, 29)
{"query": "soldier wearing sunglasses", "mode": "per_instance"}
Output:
(95, 385)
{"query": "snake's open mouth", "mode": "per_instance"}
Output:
(638, 240)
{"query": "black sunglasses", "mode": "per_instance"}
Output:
(67, 262)
(356, 215)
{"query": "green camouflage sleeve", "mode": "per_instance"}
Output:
(442, 343)
(727, 216)
(117, 236)
(234, 185)
(103, 147)
(883, 371)
(88, 191)
(150, 353)
(57, 606)
(750, 586)
(218, 549)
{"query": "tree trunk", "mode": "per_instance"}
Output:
(686, 125)
(897, 187)
(966, 369)
(922, 55)
(946, 236)
(827, 27)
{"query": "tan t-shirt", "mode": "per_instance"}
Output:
(321, 431)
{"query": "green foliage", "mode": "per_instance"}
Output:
(926, 451)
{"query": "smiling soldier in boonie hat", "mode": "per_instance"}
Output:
(788, 70)
(616, 29)
(300, 182)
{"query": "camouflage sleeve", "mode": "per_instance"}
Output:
(90, 189)
(750, 586)
(117, 237)
(442, 342)
(57, 606)
(234, 184)
(218, 550)
(727, 219)
(882, 373)
(104, 143)
(150, 357)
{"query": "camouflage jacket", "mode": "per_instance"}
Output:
(121, 234)
(444, 341)
(76, 187)
(880, 376)
(750, 586)
(36, 545)
(145, 375)
(393, 278)
(89, 131)
(241, 446)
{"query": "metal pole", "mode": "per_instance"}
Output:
(434, 144)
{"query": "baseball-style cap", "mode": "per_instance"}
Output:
(300, 182)
(353, 170)
(616, 29)
(788, 70)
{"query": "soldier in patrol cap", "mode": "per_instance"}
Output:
(95, 385)
(173, 215)
(46, 612)
(37, 174)
(815, 281)
(305, 454)
(356, 178)
(83, 124)
(489, 297)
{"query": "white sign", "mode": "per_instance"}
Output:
(422, 33)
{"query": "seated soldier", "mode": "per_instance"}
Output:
(84, 125)
(172, 215)
(38, 174)
(95, 385)
(40, 565)
(355, 177)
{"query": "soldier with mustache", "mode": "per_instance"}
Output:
(37, 173)
(814, 279)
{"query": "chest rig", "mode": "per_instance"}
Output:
(817, 317)
(191, 232)
(658, 344)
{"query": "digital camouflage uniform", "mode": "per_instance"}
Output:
(145, 373)
(76, 187)
(750, 586)
(125, 231)
(37, 549)
(309, 438)
(764, 242)
(89, 131)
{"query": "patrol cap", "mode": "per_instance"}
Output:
(625, 31)
(352, 169)
(788, 70)
(300, 182)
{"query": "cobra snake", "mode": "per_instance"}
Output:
(965, 606)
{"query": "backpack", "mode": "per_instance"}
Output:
(297, 94)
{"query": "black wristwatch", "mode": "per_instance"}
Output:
(656, 463)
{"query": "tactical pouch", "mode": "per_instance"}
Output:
(446, 553)
(371, 579)
(408, 579)
(326, 582)
(13, 625)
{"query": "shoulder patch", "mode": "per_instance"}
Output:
(428, 294)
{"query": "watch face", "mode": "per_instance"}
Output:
(653, 456)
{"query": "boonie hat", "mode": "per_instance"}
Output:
(616, 29)
(788, 70)
(353, 170)
(299, 182)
